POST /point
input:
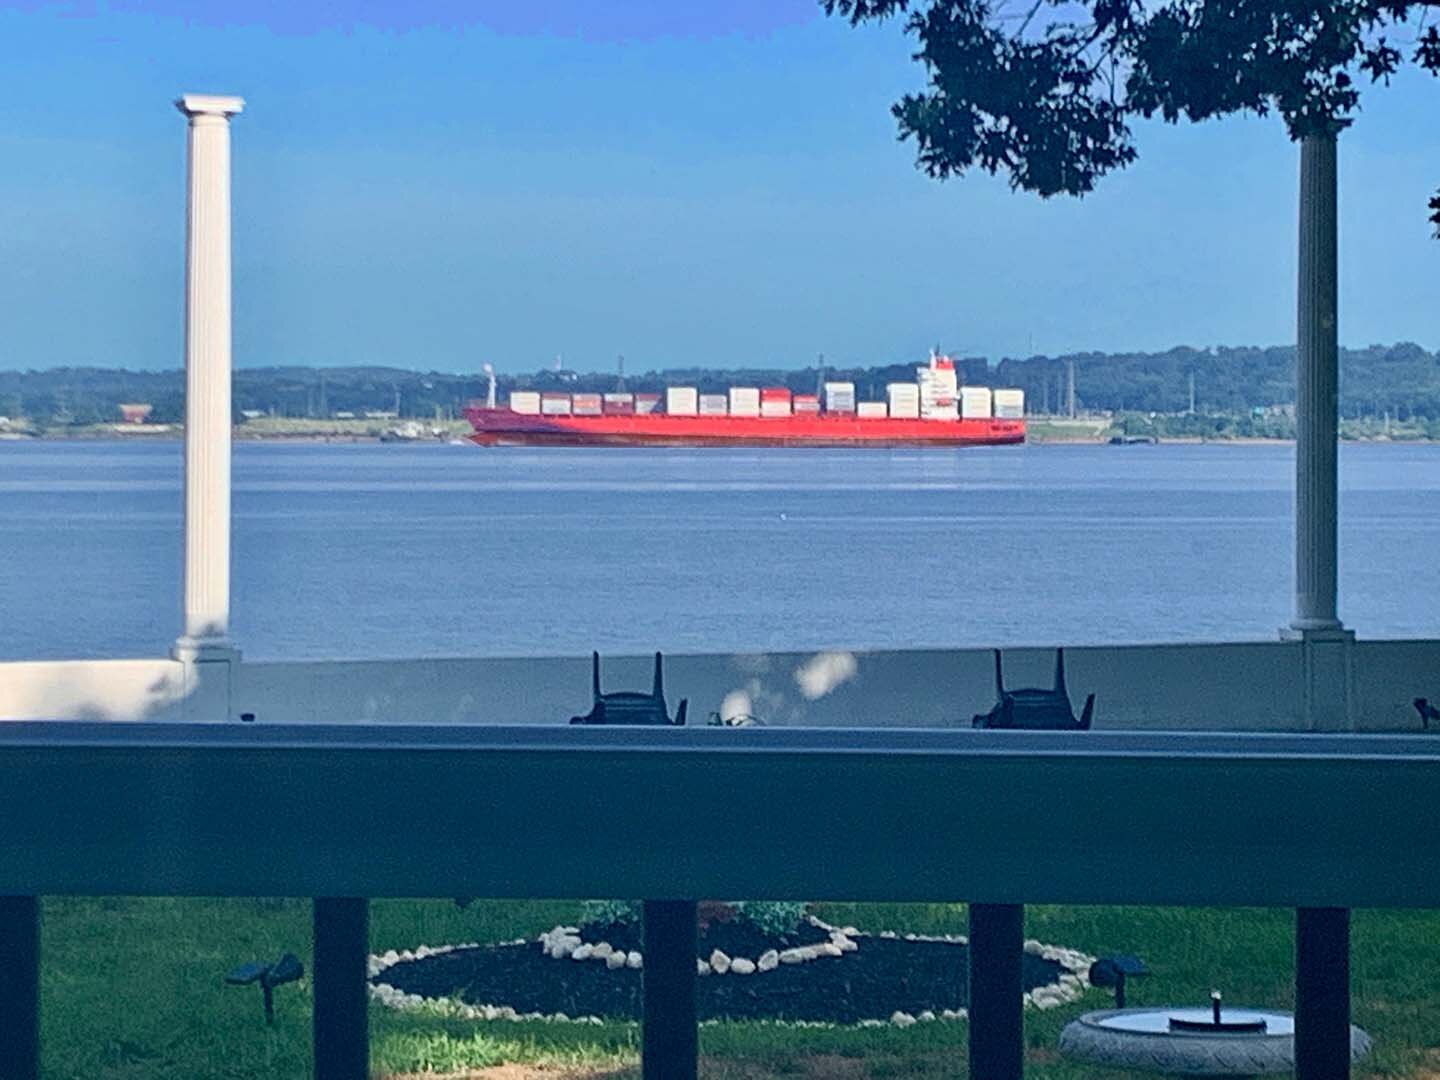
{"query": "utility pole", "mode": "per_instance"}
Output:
(620, 380)
(1192, 393)
(1070, 387)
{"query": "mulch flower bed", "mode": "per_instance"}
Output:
(883, 978)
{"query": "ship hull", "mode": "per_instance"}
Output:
(502, 427)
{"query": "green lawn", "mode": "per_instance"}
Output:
(133, 988)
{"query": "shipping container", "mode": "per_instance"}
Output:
(975, 402)
(840, 397)
(904, 400)
(619, 404)
(555, 404)
(805, 403)
(775, 408)
(871, 410)
(647, 403)
(586, 404)
(1009, 404)
(682, 401)
(714, 405)
(525, 401)
(744, 401)
(940, 412)
(774, 393)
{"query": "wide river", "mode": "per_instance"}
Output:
(448, 550)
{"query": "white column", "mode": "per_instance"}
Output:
(1317, 391)
(1326, 656)
(207, 378)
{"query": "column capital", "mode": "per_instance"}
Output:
(193, 105)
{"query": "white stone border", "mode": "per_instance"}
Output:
(563, 942)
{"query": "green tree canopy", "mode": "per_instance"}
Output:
(1043, 92)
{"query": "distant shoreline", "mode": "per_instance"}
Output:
(239, 435)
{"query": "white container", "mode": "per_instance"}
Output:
(775, 408)
(940, 412)
(682, 401)
(1009, 404)
(744, 401)
(904, 401)
(525, 401)
(646, 403)
(975, 402)
(555, 404)
(714, 405)
(871, 410)
(840, 397)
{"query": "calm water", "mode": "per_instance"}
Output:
(374, 551)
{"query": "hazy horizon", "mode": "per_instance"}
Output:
(631, 371)
(710, 186)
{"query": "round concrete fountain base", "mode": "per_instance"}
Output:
(1143, 1040)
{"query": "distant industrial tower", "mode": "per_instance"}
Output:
(489, 370)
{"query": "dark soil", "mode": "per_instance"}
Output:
(883, 976)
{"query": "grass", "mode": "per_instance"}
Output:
(133, 988)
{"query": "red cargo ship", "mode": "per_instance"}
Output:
(932, 412)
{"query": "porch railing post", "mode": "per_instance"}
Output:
(1322, 994)
(20, 987)
(997, 1020)
(341, 1019)
(670, 1039)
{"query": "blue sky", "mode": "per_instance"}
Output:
(437, 184)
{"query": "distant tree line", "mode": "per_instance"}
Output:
(1401, 381)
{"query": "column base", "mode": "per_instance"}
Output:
(209, 669)
(1317, 632)
(190, 650)
(1326, 676)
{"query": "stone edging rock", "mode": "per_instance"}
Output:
(563, 942)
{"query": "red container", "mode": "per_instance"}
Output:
(774, 393)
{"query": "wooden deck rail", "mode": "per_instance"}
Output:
(994, 818)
